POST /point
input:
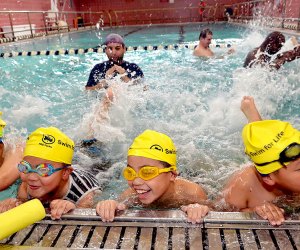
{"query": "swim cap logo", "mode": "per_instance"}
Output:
(48, 139)
(157, 147)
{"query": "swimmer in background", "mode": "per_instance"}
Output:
(202, 49)
(274, 148)
(151, 174)
(47, 175)
(265, 54)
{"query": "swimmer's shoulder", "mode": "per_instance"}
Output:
(187, 187)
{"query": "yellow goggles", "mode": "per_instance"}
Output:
(146, 172)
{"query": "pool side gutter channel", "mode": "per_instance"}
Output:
(156, 229)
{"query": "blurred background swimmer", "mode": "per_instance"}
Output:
(267, 52)
(152, 177)
(47, 174)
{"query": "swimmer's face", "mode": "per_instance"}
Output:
(206, 41)
(154, 189)
(115, 52)
(288, 177)
(43, 187)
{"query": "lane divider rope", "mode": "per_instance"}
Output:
(101, 50)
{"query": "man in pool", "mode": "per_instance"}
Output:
(274, 148)
(152, 177)
(202, 49)
(115, 50)
(265, 54)
(47, 175)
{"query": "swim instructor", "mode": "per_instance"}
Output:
(115, 50)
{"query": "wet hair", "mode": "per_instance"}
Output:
(273, 42)
(204, 33)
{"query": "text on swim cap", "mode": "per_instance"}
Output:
(268, 146)
(65, 144)
(160, 148)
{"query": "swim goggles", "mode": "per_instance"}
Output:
(145, 173)
(290, 153)
(44, 169)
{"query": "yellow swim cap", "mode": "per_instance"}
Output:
(50, 144)
(154, 145)
(265, 140)
(2, 125)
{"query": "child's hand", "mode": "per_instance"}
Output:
(9, 204)
(59, 207)
(195, 212)
(270, 212)
(107, 209)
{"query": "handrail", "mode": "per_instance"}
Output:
(245, 13)
(161, 10)
(45, 25)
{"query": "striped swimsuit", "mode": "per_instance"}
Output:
(81, 184)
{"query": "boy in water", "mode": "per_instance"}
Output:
(46, 174)
(152, 178)
(274, 148)
(263, 55)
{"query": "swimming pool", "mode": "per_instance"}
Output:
(194, 101)
(135, 36)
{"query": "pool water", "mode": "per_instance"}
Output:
(195, 101)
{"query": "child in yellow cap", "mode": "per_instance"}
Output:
(47, 174)
(152, 177)
(274, 148)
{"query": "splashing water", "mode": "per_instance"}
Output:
(195, 101)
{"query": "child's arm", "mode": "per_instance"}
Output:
(195, 198)
(59, 207)
(8, 204)
(195, 212)
(249, 109)
(107, 208)
(9, 172)
(235, 194)
(268, 211)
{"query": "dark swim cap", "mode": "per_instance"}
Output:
(114, 38)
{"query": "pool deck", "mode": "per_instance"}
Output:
(157, 229)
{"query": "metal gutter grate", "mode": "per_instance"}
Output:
(158, 230)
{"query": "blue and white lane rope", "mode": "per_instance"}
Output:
(101, 50)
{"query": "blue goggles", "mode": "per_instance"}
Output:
(43, 169)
